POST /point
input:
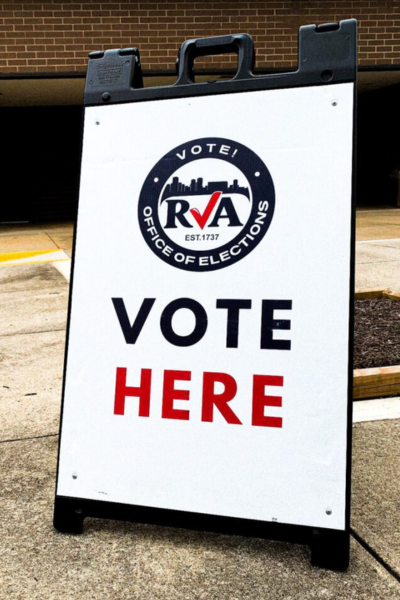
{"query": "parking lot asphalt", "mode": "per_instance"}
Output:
(125, 560)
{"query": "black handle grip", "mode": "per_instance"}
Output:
(240, 43)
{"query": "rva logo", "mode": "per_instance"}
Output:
(206, 204)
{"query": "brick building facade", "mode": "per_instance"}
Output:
(43, 58)
(39, 36)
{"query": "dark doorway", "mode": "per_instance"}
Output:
(41, 149)
(378, 147)
(42, 144)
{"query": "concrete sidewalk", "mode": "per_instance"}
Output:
(378, 249)
(122, 560)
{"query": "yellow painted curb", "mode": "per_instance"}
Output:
(32, 257)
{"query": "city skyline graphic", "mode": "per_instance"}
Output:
(197, 187)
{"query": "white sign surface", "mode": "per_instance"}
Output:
(207, 365)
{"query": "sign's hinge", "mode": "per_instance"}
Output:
(328, 51)
(112, 73)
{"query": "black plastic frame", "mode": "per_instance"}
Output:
(327, 55)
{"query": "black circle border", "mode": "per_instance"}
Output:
(262, 189)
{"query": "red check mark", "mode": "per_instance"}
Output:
(203, 218)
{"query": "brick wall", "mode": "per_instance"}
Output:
(39, 36)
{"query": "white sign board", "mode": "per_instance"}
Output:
(207, 366)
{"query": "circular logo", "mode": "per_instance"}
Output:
(206, 204)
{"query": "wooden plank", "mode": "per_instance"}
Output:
(376, 383)
(375, 293)
(395, 296)
(367, 294)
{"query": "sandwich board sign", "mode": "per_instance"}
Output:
(208, 372)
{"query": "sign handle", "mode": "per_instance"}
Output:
(240, 43)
